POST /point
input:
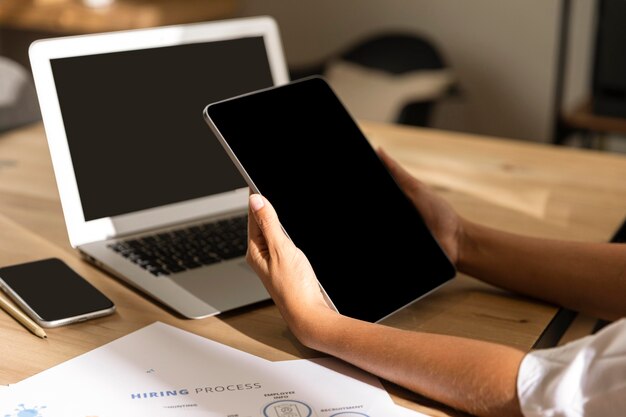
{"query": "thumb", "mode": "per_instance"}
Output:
(267, 220)
(409, 184)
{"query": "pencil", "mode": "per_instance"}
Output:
(22, 318)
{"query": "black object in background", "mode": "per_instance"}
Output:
(396, 54)
(609, 82)
(620, 234)
(134, 125)
(618, 237)
(53, 291)
(367, 243)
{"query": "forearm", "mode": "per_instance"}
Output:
(588, 277)
(474, 376)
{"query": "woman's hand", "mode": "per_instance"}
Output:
(286, 273)
(440, 217)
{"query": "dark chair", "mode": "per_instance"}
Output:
(394, 54)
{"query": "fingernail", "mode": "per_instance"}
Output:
(256, 202)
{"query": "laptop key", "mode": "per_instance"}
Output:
(189, 248)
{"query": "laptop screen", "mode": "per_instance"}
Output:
(134, 122)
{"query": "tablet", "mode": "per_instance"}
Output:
(298, 146)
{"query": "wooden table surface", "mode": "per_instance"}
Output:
(522, 187)
(75, 17)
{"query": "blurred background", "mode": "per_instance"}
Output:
(549, 71)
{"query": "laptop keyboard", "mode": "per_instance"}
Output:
(186, 248)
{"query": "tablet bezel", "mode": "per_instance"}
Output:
(218, 134)
(41, 53)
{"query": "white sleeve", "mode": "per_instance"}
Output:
(586, 377)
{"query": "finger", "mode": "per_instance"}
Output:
(256, 241)
(257, 246)
(254, 233)
(267, 222)
(257, 257)
(406, 181)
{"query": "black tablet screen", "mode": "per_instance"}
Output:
(367, 243)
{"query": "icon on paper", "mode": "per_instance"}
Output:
(22, 411)
(350, 414)
(287, 408)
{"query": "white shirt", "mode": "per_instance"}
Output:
(586, 377)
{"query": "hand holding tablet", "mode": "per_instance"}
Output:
(368, 245)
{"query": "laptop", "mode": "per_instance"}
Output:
(148, 193)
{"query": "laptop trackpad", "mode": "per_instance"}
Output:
(224, 286)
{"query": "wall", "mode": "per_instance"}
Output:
(580, 53)
(503, 51)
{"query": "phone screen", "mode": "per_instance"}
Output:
(52, 290)
(369, 247)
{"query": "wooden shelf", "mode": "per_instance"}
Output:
(74, 17)
(583, 118)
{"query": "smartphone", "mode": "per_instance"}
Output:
(52, 293)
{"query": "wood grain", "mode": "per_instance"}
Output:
(521, 187)
(74, 17)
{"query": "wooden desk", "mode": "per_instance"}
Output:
(24, 21)
(74, 17)
(521, 187)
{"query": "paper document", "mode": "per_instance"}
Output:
(164, 371)
(405, 412)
